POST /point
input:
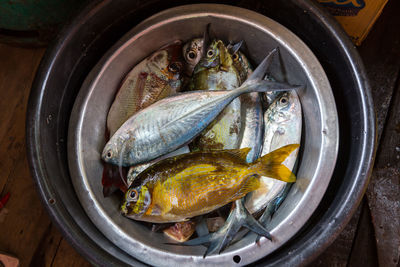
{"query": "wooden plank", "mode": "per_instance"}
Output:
(26, 222)
(383, 192)
(381, 55)
(68, 257)
(364, 247)
(338, 253)
(26, 230)
(384, 201)
(47, 248)
(16, 76)
(17, 69)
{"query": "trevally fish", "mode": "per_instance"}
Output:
(174, 121)
(215, 71)
(152, 79)
(200, 182)
(283, 123)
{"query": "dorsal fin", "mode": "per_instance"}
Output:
(240, 153)
(235, 47)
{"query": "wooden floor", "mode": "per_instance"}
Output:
(372, 235)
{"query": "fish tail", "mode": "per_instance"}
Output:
(270, 165)
(264, 86)
(259, 73)
(256, 82)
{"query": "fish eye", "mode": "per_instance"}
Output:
(284, 100)
(174, 67)
(133, 195)
(210, 53)
(109, 154)
(192, 55)
(235, 56)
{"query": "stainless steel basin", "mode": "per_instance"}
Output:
(261, 34)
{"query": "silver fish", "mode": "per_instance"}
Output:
(215, 71)
(283, 122)
(174, 121)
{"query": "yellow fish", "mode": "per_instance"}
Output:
(178, 188)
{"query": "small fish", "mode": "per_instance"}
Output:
(215, 71)
(199, 183)
(192, 53)
(283, 123)
(152, 79)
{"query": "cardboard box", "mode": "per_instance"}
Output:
(356, 16)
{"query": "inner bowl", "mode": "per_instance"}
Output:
(231, 24)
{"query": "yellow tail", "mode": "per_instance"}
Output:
(270, 165)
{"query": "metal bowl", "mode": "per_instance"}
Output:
(261, 35)
(97, 27)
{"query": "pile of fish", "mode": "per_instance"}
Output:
(192, 129)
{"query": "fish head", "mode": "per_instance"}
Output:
(192, 52)
(217, 55)
(136, 202)
(284, 107)
(238, 60)
(110, 153)
(242, 65)
(168, 62)
(115, 151)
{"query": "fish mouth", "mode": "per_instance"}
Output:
(124, 210)
(105, 155)
(127, 210)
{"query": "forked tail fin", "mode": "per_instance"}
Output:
(270, 165)
(256, 82)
